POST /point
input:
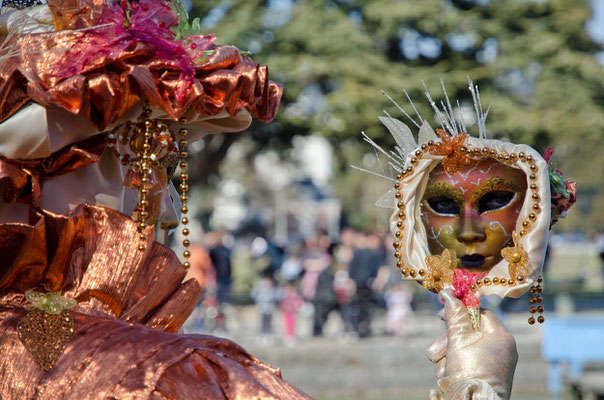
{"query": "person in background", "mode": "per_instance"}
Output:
(363, 270)
(205, 316)
(265, 295)
(398, 304)
(221, 259)
(291, 301)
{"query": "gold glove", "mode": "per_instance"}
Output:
(472, 364)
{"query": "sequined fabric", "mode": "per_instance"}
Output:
(130, 304)
(44, 335)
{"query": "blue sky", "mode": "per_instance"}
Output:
(596, 25)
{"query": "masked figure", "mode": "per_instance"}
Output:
(472, 218)
(99, 101)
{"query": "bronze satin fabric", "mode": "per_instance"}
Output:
(108, 87)
(127, 348)
(22, 179)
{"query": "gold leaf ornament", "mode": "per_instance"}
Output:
(440, 270)
(46, 327)
(517, 258)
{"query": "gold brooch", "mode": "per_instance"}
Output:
(47, 326)
(516, 257)
(440, 270)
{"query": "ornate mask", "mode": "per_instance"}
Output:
(471, 213)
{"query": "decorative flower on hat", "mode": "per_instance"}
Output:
(564, 193)
(516, 257)
(51, 303)
(450, 148)
(440, 270)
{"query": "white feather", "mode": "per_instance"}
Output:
(401, 133)
(426, 133)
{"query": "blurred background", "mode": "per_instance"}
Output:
(293, 253)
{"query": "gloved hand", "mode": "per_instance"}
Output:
(472, 364)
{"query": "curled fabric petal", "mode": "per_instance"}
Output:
(23, 179)
(130, 306)
(102, 71)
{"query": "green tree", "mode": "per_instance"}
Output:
(533, 60)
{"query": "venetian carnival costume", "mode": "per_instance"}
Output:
(98, 101)
(472, 217)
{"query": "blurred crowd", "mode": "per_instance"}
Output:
(351, 277)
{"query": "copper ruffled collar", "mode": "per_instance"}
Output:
(91, 256)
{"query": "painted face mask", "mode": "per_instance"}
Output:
(473, 213)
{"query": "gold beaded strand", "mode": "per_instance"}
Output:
(145, 185)
(184, 176)
(535, 301)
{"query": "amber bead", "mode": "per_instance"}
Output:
(531, 320)
(413, 273)
(541, 319)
